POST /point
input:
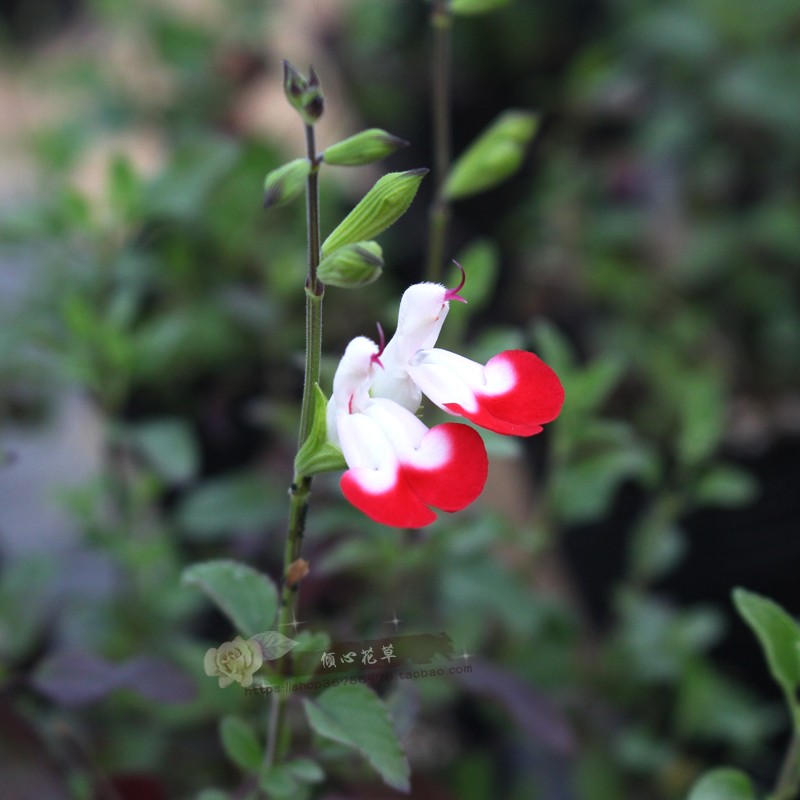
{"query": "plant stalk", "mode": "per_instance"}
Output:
(300, 490)
(788, 782)
(439, 212)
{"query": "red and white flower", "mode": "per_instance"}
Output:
(515, 392)
(398, 467)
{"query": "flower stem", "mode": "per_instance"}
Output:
(788, 782)
(300, 490)
(439, 212)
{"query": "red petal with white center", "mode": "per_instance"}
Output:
(396, 504)
(531, 395)
(456, 470)
(515, 393)
(399, 467)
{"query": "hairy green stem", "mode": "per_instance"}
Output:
(788, 782)
(439, 212)
(300, 490)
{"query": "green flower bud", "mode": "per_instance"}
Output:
(494, 156)
(285, 183)
(380, 207)
(363, 148)
(475, 6)
(352, 266)
(303, 94)
(517, 126)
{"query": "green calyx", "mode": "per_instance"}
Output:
(285, 183)
(304, 94)
(380, 207)
(352, 266)
(317, 454)
(363, 148)
(494, 156)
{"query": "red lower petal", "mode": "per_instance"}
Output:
(397, 506)
(535, 397)
(456, 483)
(450, 485)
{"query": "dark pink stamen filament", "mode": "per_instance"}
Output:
(453, 294)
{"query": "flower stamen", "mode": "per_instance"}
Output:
(453, 294)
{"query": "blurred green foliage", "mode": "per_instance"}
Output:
(647, 250)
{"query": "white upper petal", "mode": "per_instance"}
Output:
(446, 377)
(353, 375)
(422, 313)
(366, 447)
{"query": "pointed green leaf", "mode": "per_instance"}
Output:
(240, 743)
(702, 423)
(778, 633)
(285, 183)
(494, 156)
(273, 644)
(723, 784)
(247, 597)
(363, 148)
(355, 716)
(317, 454)
(169, 447)
(228, 504)
(352, 266)
(380, 207)
(726, 487)
(306, 771)
(279, 783)
(475, 6)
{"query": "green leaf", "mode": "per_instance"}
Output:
(278, 782)
(723, 784)
(306, 655)
(778, 633)
(553, 346)
(247, 597)
(273, 644)
(352, 266)
(727, 487)
(363, 148)
(475, 6)
(125, 188)
(283, 184)
(212, 794)
(481, 261)
(317, 454)
(584, 489)
(306, 770)
(240, 743)
(169, 447)
(702, 417)
(237, 502)
(354, 716)
(656, 547)
(494, 156)
(380, 207)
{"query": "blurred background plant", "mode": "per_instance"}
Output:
(150, 372)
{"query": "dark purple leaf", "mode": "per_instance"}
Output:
(534, 713)
(28, 770)
(77, 678)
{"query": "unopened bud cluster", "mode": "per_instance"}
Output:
(304, 94)
(350, 257)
